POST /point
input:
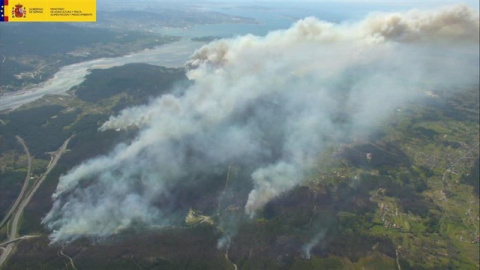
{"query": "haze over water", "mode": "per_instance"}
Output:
(269, 16)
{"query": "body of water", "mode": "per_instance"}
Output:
(169, 55)
(268, 18)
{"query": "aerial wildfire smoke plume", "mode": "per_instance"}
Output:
(270, 104)
(307, 248)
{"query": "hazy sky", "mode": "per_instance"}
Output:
(346, 8)
(393, 3)
(473, 3)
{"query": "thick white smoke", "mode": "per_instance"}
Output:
(269, 104)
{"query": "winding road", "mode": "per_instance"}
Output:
(227, 258)
(68, 257)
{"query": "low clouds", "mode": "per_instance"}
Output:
(269, 105)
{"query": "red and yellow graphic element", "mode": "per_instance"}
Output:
(19, 11)
(48, 11)
(3, 7)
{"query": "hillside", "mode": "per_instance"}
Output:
(404, 197)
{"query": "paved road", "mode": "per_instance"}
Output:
(25, 184)
(226, 255)
(68, 257)
(18, 239)
(12, 234)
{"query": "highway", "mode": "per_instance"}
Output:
(25, 184)
(18, 239)
(12, 232)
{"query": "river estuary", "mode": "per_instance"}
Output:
(173, 54)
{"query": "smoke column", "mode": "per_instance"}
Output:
(307, 248)
(270, 104)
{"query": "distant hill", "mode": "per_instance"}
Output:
(31, 53)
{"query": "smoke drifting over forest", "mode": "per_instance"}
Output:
(269, 105)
